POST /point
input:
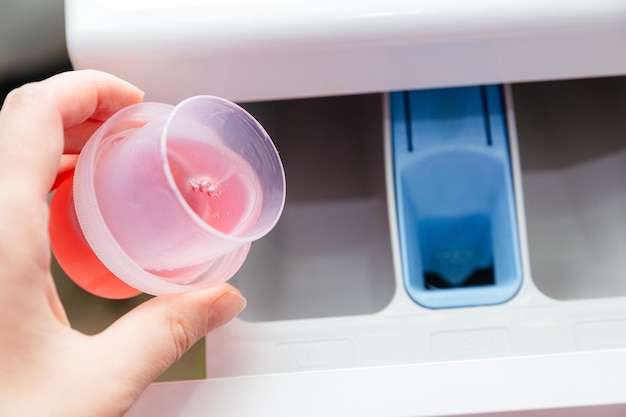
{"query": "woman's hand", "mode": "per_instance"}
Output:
(46, 368)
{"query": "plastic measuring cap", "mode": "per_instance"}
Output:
(167, 198)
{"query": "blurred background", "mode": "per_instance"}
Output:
(32, 47)
(32, 41)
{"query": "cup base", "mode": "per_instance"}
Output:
(73, 253)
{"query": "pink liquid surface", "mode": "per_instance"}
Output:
(218, 185)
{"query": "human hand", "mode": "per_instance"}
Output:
(47, 368)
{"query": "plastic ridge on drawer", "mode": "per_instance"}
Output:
(454, 196)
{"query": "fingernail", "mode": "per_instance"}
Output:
(226, 308)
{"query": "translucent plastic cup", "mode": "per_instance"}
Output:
(170, 198)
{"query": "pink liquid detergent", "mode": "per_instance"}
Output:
(218, 185)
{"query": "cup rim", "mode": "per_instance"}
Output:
(267, 142)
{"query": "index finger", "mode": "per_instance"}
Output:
(34, 117)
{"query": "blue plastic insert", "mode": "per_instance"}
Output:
(454, 195)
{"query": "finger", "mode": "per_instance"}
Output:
(33, 119)
(156, 334)
(76, 136)
(32, 123)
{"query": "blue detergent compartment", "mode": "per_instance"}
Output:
(454, 195)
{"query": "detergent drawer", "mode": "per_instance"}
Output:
(336, 323)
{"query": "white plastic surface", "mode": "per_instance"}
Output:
(248, 50)
(573, 152)
(330, 253)
(426, 390)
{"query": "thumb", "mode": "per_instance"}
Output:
(154, 335)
